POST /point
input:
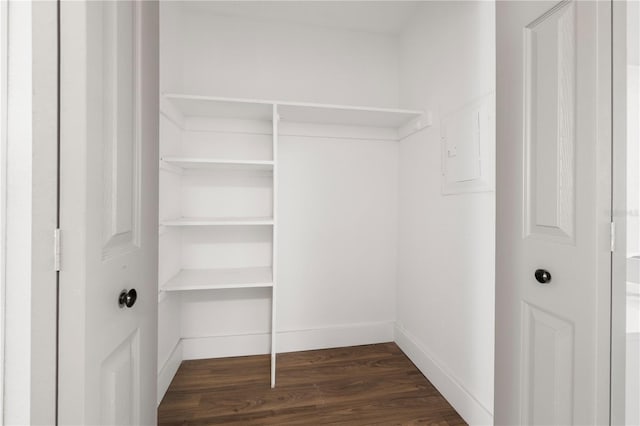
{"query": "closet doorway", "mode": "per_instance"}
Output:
(304, 176)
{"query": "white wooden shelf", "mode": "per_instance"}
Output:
(214, 279)
(187, 163)
(296, 112)
(346, 115)
(208, 106)
(218, 221)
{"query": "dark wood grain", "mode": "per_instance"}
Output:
(359, 385)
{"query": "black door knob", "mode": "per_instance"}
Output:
(127, 298)
(542, 276)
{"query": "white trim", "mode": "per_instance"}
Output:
(169, 370)
(181, 96)
(605, 157)
(260, 344)
(44, 212)
(471, 410)
(287, 340)
(617, 399)
(19, 215)
(4, 53)
(226, 346)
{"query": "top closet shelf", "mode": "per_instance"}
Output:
(346, 115)
(207, 106)
(298, 112)
(217, 221)
(187, 163)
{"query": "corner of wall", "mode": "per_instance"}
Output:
(168, 371)
(436, 233)
(471, 410)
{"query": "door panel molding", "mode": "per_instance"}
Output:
(547, 367)
(118, 390)
(549, 125)
(121, 101)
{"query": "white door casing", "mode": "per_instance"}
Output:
(108, 205)
(553, 212)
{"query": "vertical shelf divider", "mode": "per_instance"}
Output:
(274, 248)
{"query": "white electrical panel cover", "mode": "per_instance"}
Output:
(468, 147)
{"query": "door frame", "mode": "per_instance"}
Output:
(619, 208)
(4, 56)
(30, 214)
(604, 212)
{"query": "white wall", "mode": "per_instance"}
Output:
(338, 216)
(633, 128)
(30, 350)
(19, 211)
(445, 305)
(4, 54)
(633, 159)
(234, 57)
(170, 42)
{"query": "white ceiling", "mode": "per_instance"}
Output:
(384, 17)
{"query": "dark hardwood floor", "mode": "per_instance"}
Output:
(360, 385)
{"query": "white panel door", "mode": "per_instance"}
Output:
(108, 211)
(553, 212)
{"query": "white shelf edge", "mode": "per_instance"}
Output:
(184, 96)
(173, 163)
(219, 279)
(412, 116)
(293, 104)
(352, 108)
(169, 289)
(204, 221)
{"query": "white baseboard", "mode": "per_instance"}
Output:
(288, 340)
(169, 370)
(225, 346)
(260, 343)
(335, 336)
(471, 410)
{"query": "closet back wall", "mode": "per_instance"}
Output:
(337, 197)
(246, 58)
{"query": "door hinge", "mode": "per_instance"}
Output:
(613, 237)
(56, 249)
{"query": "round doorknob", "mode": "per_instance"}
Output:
(127, 298)
(542, 276)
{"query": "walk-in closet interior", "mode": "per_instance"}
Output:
(327, 179)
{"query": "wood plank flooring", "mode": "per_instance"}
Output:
(359, 385)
